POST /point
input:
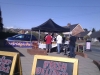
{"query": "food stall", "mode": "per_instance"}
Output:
(48, 26)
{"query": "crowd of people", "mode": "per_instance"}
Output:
(60, 40)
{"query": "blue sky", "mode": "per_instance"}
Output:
(30, 13)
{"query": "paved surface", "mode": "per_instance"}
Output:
(94, 47)
(95, 54)
(86, 67)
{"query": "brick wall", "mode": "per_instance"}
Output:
(77, 30)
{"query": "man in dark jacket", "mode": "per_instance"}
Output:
(72, 42)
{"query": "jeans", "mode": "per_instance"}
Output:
(58, 48)
(72, 51)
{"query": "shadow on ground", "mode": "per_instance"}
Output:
(55, 49)
(5, 46)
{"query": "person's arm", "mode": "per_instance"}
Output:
(51, 38)
(75, 39)
(70, 39)
(57, 38)
(45, 37)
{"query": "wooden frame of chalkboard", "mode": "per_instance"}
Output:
(43, 58)
(15, 61)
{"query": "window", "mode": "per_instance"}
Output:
(34, 38)
(30, 37)
(20, 36)
(15, 35)
(26, 37)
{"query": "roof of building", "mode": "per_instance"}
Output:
(95, 34)
(71, 26)
(82, 34)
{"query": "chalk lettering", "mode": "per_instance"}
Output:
(42, 71)
(50, 72)
(46, 63)
(58, 65)
(55, 72)
(4, 64)
(51, 65)
(38, 70)
(64, 67)
(52, 68)
(54, 65)
(47, 72)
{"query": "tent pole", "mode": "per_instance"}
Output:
(39, 36)
(31, 36)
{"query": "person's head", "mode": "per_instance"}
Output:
(48, 33)
(57, 34)
(64, 35)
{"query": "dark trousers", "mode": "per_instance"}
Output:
(72, 51)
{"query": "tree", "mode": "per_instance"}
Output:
(93, 30)
(1, 24)
(85, 29)
(69, 24)
(86, 37)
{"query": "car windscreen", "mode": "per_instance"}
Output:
(29, 37)
(15, 35)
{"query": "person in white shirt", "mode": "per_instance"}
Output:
(59, 42)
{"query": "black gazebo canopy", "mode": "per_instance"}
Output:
(50, 26)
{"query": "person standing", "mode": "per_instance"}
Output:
(59, 43)
(45, 36)
(64, 39)
(72, 42)
(48, 40)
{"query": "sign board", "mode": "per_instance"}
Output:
(22, 44)
(10, 63)
(88, 45)
(50, 65)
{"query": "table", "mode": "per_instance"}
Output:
(42, 46)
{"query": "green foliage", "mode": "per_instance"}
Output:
(93, 30)
(4, 35)
(36, 34)
(85, 29)
(61, 34)
(1, 25)
(86, 37)
(67, 38)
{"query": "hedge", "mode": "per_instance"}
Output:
(4, 35)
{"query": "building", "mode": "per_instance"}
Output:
(82, 35)
(74, 29)
(95, 36)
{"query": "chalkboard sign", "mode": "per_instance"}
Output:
(80, 48)
(10, 63)
(50, 65)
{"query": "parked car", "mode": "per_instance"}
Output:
(22, 37)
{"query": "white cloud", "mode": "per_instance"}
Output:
(8, 27)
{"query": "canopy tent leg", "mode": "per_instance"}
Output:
(31, 39)
(39, 36)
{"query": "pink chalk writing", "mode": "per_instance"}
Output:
(52, 68)
(4, 64)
